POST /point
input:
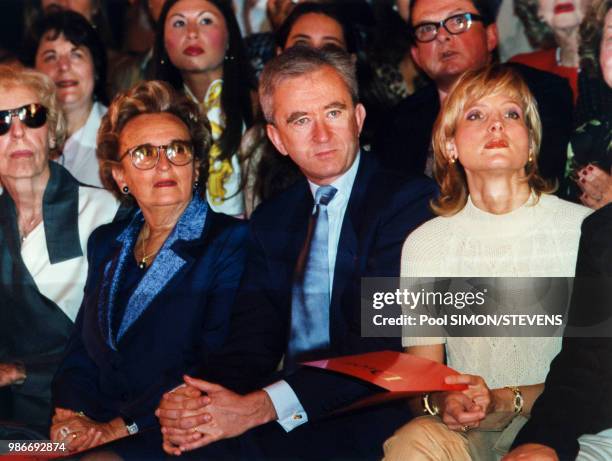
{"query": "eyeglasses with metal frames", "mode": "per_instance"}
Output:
(146, 156)
(454, 25)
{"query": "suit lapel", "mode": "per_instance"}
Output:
(297, 223)
(347, 252)
(169, 262)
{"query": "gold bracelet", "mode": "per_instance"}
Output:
(429, 408)
(519, 401)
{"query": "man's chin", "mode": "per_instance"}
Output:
(447, 79)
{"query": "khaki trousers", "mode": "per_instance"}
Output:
(427, 438)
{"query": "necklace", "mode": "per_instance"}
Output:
(145, 257)
(29, 227)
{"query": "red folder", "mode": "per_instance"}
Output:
(399, 374)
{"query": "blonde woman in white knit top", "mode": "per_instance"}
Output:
(496, 218)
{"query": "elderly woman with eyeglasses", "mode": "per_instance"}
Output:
(161, 283)
(46, 217)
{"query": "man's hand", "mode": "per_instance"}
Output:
(180, 411)
(229, 414)
(10, 373)
(531, 452)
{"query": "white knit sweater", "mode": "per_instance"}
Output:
(535, 240)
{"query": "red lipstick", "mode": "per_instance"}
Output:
(564, 8)
(193, 51)
(496, 144)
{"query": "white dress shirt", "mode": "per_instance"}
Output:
(288, 408)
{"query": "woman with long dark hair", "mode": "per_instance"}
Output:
(199, 50)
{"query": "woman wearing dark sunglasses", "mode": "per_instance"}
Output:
(46, 217)
(161, 285)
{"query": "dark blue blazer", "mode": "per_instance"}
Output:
(405, 139)
(383, 209)
(576, 398)
(181, 315)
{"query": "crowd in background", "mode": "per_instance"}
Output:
(159, 121)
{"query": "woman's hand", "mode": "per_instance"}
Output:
(464, 410)
(79, 432)
(596, 186)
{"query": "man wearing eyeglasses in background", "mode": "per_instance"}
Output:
(450, 37)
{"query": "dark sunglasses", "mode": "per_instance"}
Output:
(32, 115)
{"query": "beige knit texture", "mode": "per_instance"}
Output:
(535, 240)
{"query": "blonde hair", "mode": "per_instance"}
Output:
(44, 88)
(492, 80)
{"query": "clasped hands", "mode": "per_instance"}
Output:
(199, 413)
(465, 410)
(78, 432)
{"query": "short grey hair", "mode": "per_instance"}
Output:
(302, 60)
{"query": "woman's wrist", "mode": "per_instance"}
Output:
(434, 400)
(503, 400)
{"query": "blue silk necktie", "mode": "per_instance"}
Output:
(311, 290)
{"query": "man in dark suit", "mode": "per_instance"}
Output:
(450, 37)
(309, 99)
(577, 394)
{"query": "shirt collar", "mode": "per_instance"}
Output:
(192, 96)
(87, 133)
(344, 184)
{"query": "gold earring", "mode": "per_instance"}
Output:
(530, 158)
(452, 160)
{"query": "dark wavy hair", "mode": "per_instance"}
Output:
(33, 12)
(238, 77)
(331, 10)
(79, 32)
(150, 97)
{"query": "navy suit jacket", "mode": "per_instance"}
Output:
(576, 398)
(383, 209)
(404, 141)
(183, 319)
